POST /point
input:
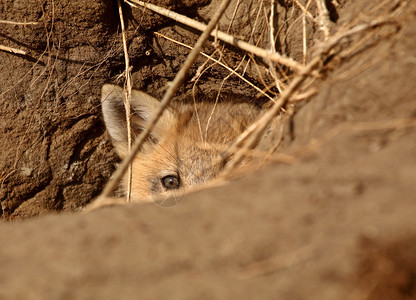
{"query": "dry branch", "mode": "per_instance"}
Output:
(12, 50)
(324, 21)
(266, 54)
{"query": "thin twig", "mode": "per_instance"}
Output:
(266, 54)
(12, 50)
(237, 5)
(324, 21)
(304, 48)
(17, 23)
(272, 67)
(173, 87)
(252, 34)
(127, 96)
(304, 96)
(304, 31)
(305, 10)
(272, 41)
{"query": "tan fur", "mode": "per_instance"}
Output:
(184, 143)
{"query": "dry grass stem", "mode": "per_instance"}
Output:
(233, 17)
(127, 96)
(266, 54)
(12, 50)
(272, 68)
(177, 81)
(26, 74)
(272, 37)
(304, 45)
(305, 10)
(303, 96)
(304, 33)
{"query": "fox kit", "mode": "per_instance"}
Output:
(183, 144)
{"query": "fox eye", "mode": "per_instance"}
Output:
(171, 182)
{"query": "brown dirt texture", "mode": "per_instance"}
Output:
(334, 220)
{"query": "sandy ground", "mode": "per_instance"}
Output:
(337, 223)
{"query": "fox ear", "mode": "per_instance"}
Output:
(143, 107)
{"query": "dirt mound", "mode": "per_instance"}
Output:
(335, 223)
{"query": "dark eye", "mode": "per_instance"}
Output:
(171, 182)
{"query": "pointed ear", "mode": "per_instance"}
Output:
(143, 107)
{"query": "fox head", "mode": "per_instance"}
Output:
(184, 145)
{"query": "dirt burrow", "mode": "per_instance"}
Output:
(336, 224)
(56, 155)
